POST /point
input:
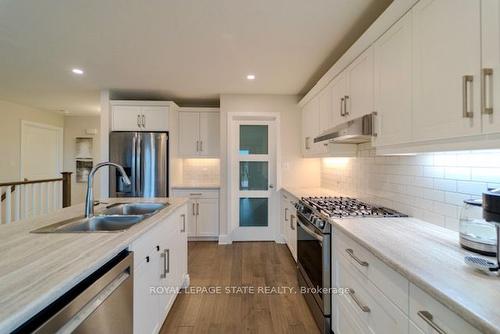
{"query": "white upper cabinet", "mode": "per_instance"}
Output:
(393, 80)
(311, 129)
(359, 97)
(339, 92)
(139, 118)
(490, 72)
(209, 134)
(325, 109)
(198, 134)
(447, 61)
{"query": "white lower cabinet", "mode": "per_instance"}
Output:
(381, 300)
(203, 212)
(289, 223)
(160, 257)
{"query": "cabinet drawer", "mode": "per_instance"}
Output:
(380, 315)
(442, 317)
(392, 284)
(196, 193)
(346, 322)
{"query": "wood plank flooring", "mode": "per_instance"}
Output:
(241, 264)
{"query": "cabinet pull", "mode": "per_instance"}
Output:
(139, 120)
(357, 259)
(345, 105)
(467, 81)
(308, 147)
(166, 262)
(286, 212)
(183, 216)
(143, 121)
(341, 106)
(291, 222)
(428, 318)
(487, 91)
(363, 308)
(197, 146)
(201, 145)
(195, 194)
(194, 210)
(197, 209)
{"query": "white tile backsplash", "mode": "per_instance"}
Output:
(428, 186)
(200, 171)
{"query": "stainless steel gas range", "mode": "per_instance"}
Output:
(314, 233)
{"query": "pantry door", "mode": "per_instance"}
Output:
(253, 179)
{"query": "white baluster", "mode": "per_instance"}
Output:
(25, 200)
(40, 198)
(34, 210)
(8, 205)
(17, 203)
(54, 195)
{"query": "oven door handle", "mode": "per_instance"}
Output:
(310, 232)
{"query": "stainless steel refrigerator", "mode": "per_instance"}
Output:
(144, 156)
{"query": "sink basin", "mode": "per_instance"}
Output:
(103, 223)
(142, 208)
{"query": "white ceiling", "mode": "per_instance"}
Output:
(186, 50)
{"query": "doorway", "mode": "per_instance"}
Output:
(253, 177)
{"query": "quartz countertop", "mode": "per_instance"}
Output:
(299, 192)
(196, 186)
(36, 269)
(430, 257)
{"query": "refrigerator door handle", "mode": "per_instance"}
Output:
(134, 155)
(138, 188)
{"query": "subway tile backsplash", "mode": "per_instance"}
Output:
(200, 171)
(429, 186)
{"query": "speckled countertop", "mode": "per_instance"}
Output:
(36, 269)
(430, 257)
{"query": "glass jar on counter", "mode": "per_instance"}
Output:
(476, 234)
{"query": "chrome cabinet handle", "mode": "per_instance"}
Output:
(183, 216)
(341, 106)
(197, 209)
(286, 212)
(195, 194)
(467, 81)
(363, 308)
(197, 146)
(201, 145)
(194, 209)
(486, 91)
(428, 318)
(166, 262)
(291, 222)
(143, 121)
(345, 105)
(308, 147)
(139, 120)
(357, 259)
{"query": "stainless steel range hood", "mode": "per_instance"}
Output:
(356, 131)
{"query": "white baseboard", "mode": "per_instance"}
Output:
(280, 239)
(203, 238)
(225, 239)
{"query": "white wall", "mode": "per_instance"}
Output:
(295, 170)
(10, 134)
(430, 186)
(76, 126)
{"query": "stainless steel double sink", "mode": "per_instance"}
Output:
(116, 217)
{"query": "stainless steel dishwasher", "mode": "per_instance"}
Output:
(102, 303)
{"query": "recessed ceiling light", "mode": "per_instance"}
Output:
(251, 77)
(77, 71)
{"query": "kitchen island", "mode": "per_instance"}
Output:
(36, 269)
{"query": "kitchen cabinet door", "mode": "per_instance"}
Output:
(209, 134)
(146, 304)
(168, 255)
(446, 58)
(191, 218)
(182, 248)
(189, 130)
(339, 91)
(292, 238)
(325, 108)
(310, 128)
(126, 118)
(285, 218)
(393, 80)
(360, 86)
(207, 216)
(155, 118)
(490, 73)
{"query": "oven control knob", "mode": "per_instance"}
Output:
(321, 224)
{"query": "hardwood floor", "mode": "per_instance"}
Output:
(242, 264)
